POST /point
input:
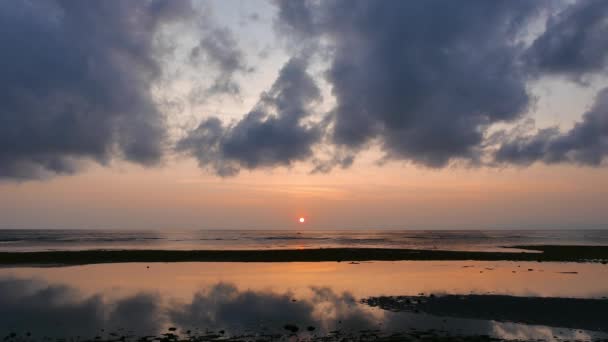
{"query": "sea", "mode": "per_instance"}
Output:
(478, 240)
(302, 301)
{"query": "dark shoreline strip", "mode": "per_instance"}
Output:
(549, 253)
(571, 313)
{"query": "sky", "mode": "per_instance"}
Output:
(354, 114)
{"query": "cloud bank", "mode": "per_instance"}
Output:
(274, 133)
(422, 78)
(586, 143)
(573, 43)
(424, 81)
(75, 79)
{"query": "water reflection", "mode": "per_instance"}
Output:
(42, 309)
(181, 280)
(28, 305)
(59, 311)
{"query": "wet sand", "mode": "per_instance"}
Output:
(573, 313)
(548, 253)
(367, 301)
(336, 336)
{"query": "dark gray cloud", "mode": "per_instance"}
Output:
(586, 143)
(574, 42)
(274, 133)
(339, 158)
(424, 79)
(74, 83)
(219, 48)
(574, 45)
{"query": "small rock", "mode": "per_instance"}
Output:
(291, 327)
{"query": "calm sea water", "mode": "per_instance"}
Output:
(32, 240)
(130, 300)
(138, 299)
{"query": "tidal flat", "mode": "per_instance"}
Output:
(306, 301)
(539, 253)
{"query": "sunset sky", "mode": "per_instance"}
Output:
(238, 114)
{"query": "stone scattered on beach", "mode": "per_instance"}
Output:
(291, 327)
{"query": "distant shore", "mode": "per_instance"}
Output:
(547, 253)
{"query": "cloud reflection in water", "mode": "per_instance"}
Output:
(59, 311)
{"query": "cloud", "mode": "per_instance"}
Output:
(573, 45)
(274, 133)
(75, 80)
(585, 144)
(219, 48)
(424, 80)
(574, 42)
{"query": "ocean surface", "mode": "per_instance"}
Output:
(302, 301)
(478, 240)
(523, 301)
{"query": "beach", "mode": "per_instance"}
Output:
(479, 292)
(514, 253)
(303, 171)
(307, 301)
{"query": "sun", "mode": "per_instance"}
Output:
(302, 220)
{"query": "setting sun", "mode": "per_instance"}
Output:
(302, 220)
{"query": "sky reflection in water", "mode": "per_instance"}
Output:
(262, 298)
